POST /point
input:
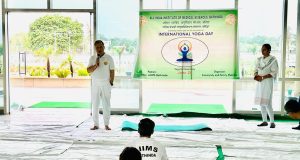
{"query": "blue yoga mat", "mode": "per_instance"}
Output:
(132, 126)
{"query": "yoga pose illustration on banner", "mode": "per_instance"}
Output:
(185, 47)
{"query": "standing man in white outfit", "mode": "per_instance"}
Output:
(102, 69)
(149, 148)
(266, 70)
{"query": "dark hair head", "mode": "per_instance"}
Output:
(130, 153)
(146, 127)
(268, 46)
(98, 42)
(292, 106)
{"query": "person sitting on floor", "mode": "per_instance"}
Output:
(149, 148)
(292, 108)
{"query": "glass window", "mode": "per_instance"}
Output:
(211, 4)
(28, 4)
(202, 96)
(72, 4)
(119, 31)
(65, 43)
(178, 4)
(291, 54)
(118, 27)
(1, 44)
(245, 94)
(256, 27)
(292, 90)
(155, 4)
(1, 65)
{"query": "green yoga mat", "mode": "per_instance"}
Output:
(131, 126)
(61, 105)
(178, 108)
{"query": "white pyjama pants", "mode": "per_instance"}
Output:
(101, 92)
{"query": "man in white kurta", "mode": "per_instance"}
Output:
(101, 66)
(266, 70)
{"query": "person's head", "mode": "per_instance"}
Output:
(266, 49)
(130, 153)
(146, 127)
(292, 108)
(99, 46)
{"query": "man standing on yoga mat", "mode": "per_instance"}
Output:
(266, 69)
(101, 66)
(149, 148)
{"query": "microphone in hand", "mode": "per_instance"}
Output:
(98, 60)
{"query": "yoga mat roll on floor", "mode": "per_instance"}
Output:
(132, 126)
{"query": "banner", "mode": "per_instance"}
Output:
(187, 45)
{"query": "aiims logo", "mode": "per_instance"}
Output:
(185, 47)
(184, 51)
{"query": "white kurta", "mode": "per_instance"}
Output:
(101, 88)
(150, 149)
(264, 89)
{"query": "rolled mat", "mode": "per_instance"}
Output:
(132, 126)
